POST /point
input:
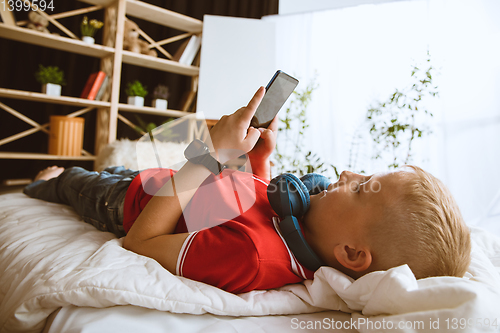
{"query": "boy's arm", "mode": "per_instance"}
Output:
(152, 233)
(259, 155)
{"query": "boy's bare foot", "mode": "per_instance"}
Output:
(48, 173)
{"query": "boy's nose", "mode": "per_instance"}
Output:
(346, 175)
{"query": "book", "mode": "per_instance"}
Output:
(88, 85)
(102, 89)
(180, 50)
(96, 86)
(188, 50)
(93, 84)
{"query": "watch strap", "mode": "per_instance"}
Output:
(197, 152)
(209, 162)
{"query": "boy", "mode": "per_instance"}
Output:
(359, 225)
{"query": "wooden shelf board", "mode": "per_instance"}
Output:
(163, 16)
(157, 15)
(53, 41)
(38, 156)
(165, 65)
(104, 3)
(150, 110)
(39, 97)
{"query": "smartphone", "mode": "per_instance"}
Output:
(278, 90)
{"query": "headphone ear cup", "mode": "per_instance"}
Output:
(315, 183)
(295, 195)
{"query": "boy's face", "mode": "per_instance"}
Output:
(342, 214)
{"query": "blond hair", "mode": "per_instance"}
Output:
(423, 228)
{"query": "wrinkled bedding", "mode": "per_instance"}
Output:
(50, 259)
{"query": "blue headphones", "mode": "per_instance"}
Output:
(289, 197)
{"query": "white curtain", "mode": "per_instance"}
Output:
(362, 54)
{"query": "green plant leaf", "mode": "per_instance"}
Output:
(50, 74)
(392, 125)
(136, 88)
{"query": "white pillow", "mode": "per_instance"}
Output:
(139, 155)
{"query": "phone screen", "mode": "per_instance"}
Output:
(278, 90)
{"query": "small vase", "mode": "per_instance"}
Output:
(135, 100)
(66, 135)
(88, 40)
(160, 104)
(52, 89)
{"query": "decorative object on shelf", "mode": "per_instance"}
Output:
(51, 78)
(102, 89)
(66, 135)
(131, 41)
(160, 96)
(38, 22)
(136, 93)
(89, 28)
(188, 50)
(88, 40)
(94, 86)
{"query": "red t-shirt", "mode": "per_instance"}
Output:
(234, 241)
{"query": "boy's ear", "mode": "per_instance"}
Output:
(355, 259)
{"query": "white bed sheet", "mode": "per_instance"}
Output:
(132, 319)
(49, 259)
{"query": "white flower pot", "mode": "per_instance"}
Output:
(52, 89)
(160, 104)
(135, 100)
(88, 39)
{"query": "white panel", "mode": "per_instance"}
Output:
(237, 57)
(300, 6)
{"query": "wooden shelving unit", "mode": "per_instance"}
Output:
(97, 51)
(53, 41)
(63, 100)
(38, 156)
(112, 57)
(155, 14)
(150, 110)
(158, 64)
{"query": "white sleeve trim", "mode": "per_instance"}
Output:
(183, 252)
(259, 180)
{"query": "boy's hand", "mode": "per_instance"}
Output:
(266, 143)
(259, 155)
(232, 136)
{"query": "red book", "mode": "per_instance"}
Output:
(88, 85)
(93, 84)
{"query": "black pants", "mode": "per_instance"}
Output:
(97, 197)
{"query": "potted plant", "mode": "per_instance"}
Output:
(160, 95)
(136, 93)
(51, 78)
(89, 28)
